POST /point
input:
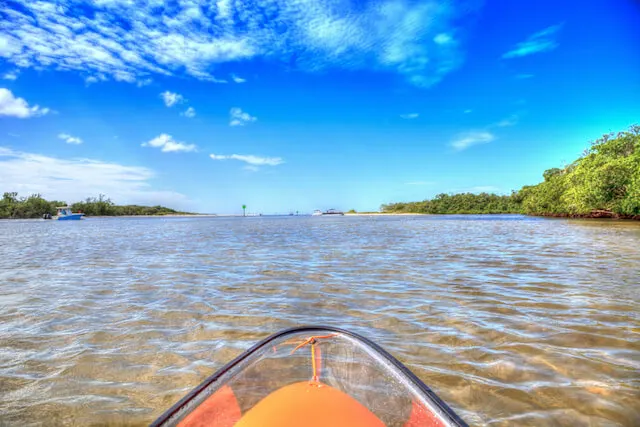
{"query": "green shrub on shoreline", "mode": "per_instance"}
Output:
(34, 206)
(465, 203)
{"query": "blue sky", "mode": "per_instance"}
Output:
(297, 105)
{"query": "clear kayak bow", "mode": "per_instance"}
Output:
(312, 376)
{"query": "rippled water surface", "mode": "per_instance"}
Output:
(511, 320)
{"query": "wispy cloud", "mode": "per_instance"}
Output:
(70, 139)
(29, 173)
(250, 159)
(482, 136)
(17, 107)
(237, 117)
(443, 38)
(171, 98)
(144, 82)
(524, 76)
(469, 139)
(419, 183)
(542, 41)
(237, 79)
(468, 110)
(131, 40)
(410, 116)
(11, 75)
(89, 80)
(189, 113)
(167, 144)
(512, 120)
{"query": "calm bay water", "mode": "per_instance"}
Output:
(511, 320)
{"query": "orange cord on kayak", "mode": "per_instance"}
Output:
(313, 362)
(316, 358)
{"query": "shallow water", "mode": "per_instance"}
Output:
(511, 320)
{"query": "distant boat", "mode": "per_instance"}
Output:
(327, 212)
(64, 213)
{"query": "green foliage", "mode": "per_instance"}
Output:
(95, 206)
(550, 173)
(34, 206)
(465, 203)
(605, 178)
(546, 197)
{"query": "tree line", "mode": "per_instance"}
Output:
(603, 182)
(35, 206)
(464, 203)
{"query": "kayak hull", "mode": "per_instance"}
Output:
(331, 376)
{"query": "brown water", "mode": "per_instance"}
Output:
(511, 320)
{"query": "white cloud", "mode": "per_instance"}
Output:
(250, 159)
(410, 116)
(251, 168)
(71, 180)
(542, 41)
(167, 144)
(469, 139)
(7, 46)
(189, 113)
(131, 40)
(237, 79)
(18, 107)
(237, 117)
(11, 75)
(171, 98)
(69, 139)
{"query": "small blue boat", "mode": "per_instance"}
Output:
(64, 213)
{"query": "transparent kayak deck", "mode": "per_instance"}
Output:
(312, 376)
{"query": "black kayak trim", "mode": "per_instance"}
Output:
(451, 416)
